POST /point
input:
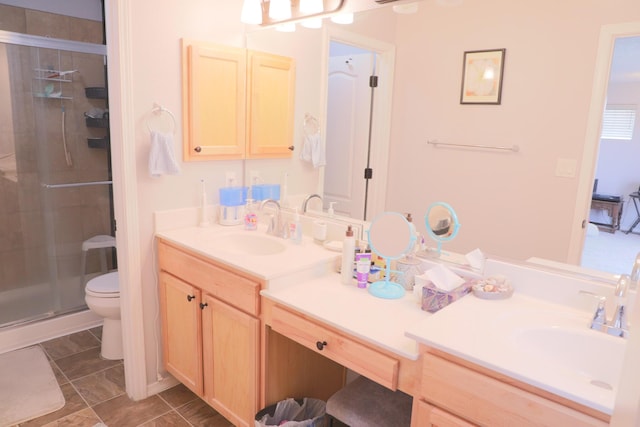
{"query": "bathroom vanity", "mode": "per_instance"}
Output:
(245, 330)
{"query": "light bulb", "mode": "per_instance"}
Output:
(312, 23)
(279, 10)
(251, 12)
(343, 18)
(311, 7)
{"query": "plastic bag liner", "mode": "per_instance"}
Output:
(305, 412)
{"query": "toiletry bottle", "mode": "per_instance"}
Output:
(348, 254)
(295, 231)
(330, 210)
(250, 217)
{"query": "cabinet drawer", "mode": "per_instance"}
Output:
(487, 401)
(238, 291)
(339, 348)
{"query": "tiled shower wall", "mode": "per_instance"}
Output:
(41, 230)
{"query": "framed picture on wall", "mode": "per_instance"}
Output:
(482, 76)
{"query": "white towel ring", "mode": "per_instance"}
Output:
(157, 111)
(311, 125)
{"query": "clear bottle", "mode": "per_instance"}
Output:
(250, 217)
(295, 231)
(348, 257)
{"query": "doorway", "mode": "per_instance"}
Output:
(616, 173)
(358, 123)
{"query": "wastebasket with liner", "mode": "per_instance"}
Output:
(306, 412)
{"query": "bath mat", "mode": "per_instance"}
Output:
(28, 387)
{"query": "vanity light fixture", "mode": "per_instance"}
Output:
(280, 10)
(251, 12)
(343, 18)
(287, 27)
(311, 7)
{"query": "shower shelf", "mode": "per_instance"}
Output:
(54, 75)
(96, 92)
(44, 95)
(97, 122)
(102, 143)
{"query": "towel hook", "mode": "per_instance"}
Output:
(158, 110)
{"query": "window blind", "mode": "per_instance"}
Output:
(618, 122)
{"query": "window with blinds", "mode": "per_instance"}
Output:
(618, 122)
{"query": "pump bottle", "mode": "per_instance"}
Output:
(348, 257)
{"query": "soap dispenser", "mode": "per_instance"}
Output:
(330, 210)
(348, 257)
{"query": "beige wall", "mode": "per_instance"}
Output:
(508, 204)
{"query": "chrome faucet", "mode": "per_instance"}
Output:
(275, 226)
(307, 199)
(618, 324)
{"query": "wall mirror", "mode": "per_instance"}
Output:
(391, 237)
(442, 224)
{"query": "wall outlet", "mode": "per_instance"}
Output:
(566, 168)
(230, 179)
(254, 177)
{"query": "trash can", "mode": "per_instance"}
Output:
(290, 412)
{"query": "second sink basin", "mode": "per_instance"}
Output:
(251, 244)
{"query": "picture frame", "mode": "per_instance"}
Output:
(482, 75)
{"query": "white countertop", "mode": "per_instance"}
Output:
(488, 333)
(355, 311)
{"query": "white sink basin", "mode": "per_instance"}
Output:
(589, 356)
(251, 244)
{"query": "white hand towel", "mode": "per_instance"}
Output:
(313, 150)
(161, 157)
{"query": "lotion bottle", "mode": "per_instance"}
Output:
(295, 232)
(348, 254)
(330, 211)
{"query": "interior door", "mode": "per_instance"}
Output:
(348, 108)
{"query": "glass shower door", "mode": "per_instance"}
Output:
(55, 190)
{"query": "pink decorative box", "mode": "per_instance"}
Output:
(433, 299)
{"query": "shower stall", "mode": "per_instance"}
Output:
(55, 174)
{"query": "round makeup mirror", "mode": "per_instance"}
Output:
(442, 223)
(391, 237)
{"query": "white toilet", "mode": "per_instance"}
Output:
(102, 295)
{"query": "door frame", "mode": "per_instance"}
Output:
(608, 36)
(381, 120)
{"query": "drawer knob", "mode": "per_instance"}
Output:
(321, 344)
(190, 297)
(203, 305)
(197, 149)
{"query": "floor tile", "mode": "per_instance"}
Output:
(178, 395)
(85, 418)
(101, 386)
(84, 363)
(73, 404)
(172, 419)
(199, 414)
(70, 344)
(121, 411)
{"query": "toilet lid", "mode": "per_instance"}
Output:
(104, 284)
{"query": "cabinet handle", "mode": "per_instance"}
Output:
(190, 297)
(321, 344)
(197, 149)
(203, 305)
(291, 147)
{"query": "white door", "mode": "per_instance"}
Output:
(348, 110)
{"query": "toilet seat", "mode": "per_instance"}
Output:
(104, 286)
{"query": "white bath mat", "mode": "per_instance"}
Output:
(28, 387)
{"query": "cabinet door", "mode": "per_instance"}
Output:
(181, 331)
(231, 347)
(214, 94)
(425, 415)
(271, 89)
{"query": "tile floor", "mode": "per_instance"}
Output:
(94, 392)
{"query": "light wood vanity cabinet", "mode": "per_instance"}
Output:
(211, 331)
(237, 103)
(457, 393)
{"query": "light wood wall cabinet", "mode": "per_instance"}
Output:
(211, 331)
(457, 393)
(237, 103)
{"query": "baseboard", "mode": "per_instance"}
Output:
(165, 383)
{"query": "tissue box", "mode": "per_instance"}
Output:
(434, 299)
